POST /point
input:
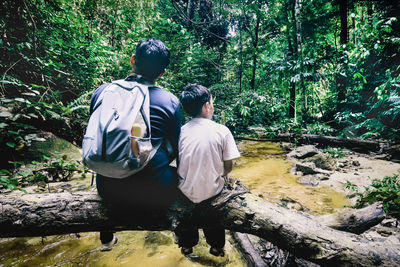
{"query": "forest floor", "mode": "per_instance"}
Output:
(338, 168)
(360, 170)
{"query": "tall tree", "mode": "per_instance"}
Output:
(291, 57)
(299, 56)
(341, 79)
(255, 39)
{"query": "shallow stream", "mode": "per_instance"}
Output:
(261, 167)
(264, 169)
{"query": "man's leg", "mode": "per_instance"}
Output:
(106, 236)
(107, 192)
(108, 240)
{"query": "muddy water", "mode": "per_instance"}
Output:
(261, 167)
(266, 172)
(134, 248)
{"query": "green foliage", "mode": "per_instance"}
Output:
(335, 152)
(52, 169)
(8, 181)
(386, 190)
(16, 131)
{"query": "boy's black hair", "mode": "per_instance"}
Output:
(151, 58)
(193, 98)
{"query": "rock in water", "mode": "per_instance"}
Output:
(303, 152)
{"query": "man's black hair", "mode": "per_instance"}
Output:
(193, 98)
(151, 58)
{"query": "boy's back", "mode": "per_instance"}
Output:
(203, 147)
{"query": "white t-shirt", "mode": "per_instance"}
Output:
(203, 146)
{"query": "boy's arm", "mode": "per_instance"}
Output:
(229, 153)
(228, 165)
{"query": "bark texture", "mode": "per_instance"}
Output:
(354, 221)
(251, 255)
(299, 233)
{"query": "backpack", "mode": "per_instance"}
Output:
(107, 146)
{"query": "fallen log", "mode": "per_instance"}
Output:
(251, 255)
(349, 220)
(354, 221)
(358, 145)
(299, 233)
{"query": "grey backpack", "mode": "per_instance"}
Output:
(109, 146)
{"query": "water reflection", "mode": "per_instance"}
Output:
(266, 172)
(134, 248)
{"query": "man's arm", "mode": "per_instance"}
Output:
(174, 132)
(96, 95)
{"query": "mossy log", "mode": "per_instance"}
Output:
(302, 234)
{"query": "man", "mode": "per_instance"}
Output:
(155, 186)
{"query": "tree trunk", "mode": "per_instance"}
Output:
(190, 12)
(299, 233)
(292, 102)
(354, 221)
(300, 53)
(255, 50)
(341, 79)
(291, 57)
(349, 220)
(251, 255)
(343, 22)
(354, 144)
(241, 55)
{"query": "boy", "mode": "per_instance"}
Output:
(206, 151)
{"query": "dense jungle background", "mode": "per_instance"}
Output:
(316, 67)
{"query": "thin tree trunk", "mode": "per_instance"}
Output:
(190, 12)
(255, 49)
(292, 57)
(350, 143)
(241, 56)
(344, 35)
(300, 53)
(341, 79)
(292, 97)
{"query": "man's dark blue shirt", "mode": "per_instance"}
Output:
(165, 120)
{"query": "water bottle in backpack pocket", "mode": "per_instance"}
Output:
(117, 142)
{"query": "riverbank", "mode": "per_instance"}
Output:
(336, 169)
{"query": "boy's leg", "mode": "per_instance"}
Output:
(215, 237)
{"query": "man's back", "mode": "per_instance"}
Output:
(157, 178)
(165, 120)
